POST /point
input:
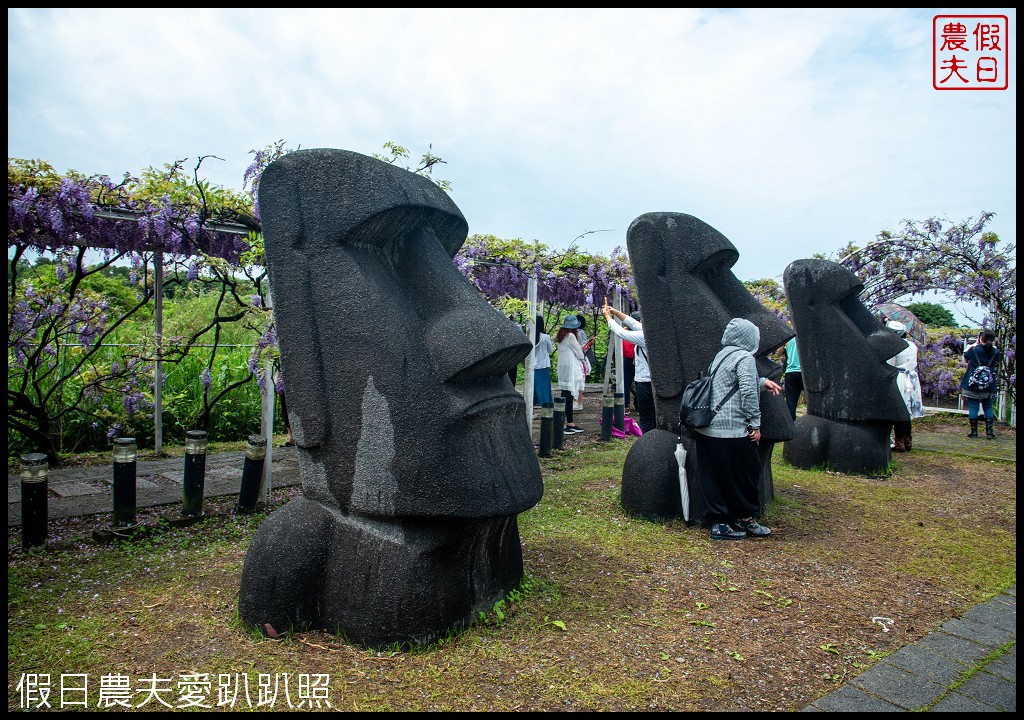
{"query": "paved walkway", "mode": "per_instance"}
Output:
(967, 665)
(77, 491)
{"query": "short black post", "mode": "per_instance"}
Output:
(125, 454)
(35, 509)
(607, 416)
(619, 417)
(547, 413)
(195, 473)
(558, 424)
(252, 474)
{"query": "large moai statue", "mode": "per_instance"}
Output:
(682, 268)
(414, 450)
(852, 395)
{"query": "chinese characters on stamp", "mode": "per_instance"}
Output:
(970, 52)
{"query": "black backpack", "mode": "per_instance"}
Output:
(982, 379)
(695, 409)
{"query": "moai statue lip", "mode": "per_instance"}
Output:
(843, 347)
(489, 406)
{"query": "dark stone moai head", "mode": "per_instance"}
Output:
(843, 346)
(682, 268)
(414, 450)
(396, 369)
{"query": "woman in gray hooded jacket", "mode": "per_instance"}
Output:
(727, 450)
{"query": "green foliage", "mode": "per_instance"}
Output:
(396, 153)
(34, 173)
(771, 294)
(172, 183)
(236, 415)
(193, 310)
(933, 314)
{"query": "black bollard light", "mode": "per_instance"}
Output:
(558, 424)
(547, 413)
(607, 415)
(252, 473)
(125, 454)
(619, 416)
(35, 508)
(195, 473)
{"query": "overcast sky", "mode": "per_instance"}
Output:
(790, 131)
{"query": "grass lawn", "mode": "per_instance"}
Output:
(615, 613)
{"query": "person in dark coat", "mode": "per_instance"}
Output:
(982, 353)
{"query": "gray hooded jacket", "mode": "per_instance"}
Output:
(742, 412)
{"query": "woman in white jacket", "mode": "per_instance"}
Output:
(571, 378)
(910, 387)
(542, 349)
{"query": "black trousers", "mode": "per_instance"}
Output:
(794, 384)
(729, 470)
(901, 429)
(628, 372)
(568, 407)
(645, 405)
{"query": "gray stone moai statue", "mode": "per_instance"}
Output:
(852, 395)
(682, 268)
(414, 450)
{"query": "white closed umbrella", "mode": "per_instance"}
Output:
(684, 490)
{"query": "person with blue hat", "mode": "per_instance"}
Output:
(571, 376)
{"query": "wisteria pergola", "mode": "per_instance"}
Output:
(228, 240)
(83, 226)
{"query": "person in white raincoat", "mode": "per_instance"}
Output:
(909, 385)
(571, 376)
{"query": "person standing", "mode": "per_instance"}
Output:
(513, 372)
(628, 372)
(542, 349)
(634, 332)
(793, 381)
(982, 353)
(727, 450)
(588, 350)
(571, 378)
(909, 385)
